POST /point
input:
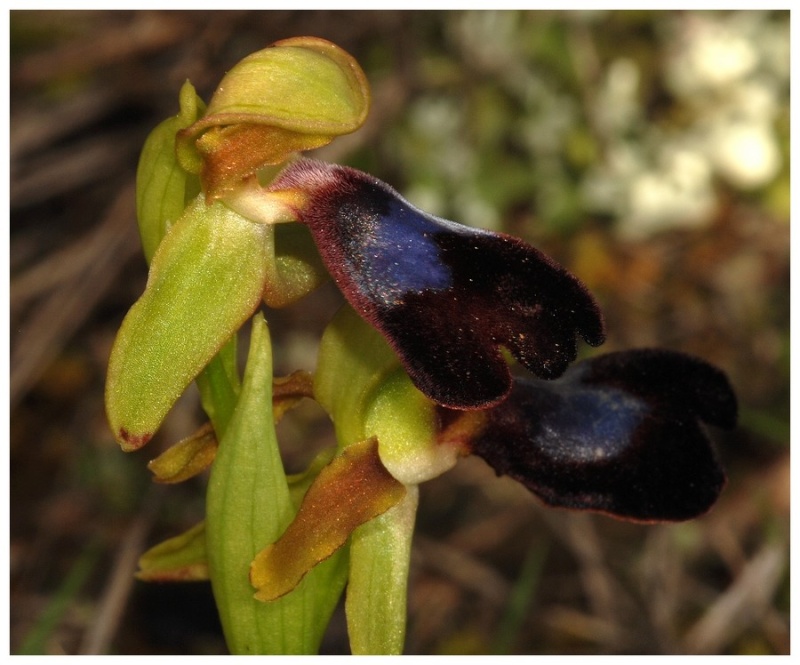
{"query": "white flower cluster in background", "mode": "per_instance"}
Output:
(729, 73)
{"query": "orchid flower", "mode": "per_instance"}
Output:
(445, 296)
(415, 371)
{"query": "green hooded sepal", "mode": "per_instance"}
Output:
(295, 95)
(249, 505)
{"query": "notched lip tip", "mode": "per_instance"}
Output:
(596, 340)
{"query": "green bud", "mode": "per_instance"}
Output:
(178, 559)
(163, 187)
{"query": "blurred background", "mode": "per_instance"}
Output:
(646, 151)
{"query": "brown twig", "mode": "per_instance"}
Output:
(113, 603)
(745, 603)
(44, 334)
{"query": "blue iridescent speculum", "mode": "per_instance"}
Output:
(619, 434)
(585, 424)
(395, 253)
(445, 296)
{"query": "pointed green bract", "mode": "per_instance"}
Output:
(206, 279)
(248, 506)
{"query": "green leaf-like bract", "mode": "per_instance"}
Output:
(248, 506)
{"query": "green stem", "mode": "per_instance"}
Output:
(219, 387)
(377, 589)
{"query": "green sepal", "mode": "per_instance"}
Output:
(305, 84)
(248, 506)
(206, 279)
(380, 401)
(351, 354)
(163, 187)
(179, 559)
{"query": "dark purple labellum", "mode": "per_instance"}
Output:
(445, 296)
(619, 434)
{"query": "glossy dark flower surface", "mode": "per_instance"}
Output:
(445, 296)
(619, 434)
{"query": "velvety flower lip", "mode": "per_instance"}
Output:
(618, 434)
(446, 296)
